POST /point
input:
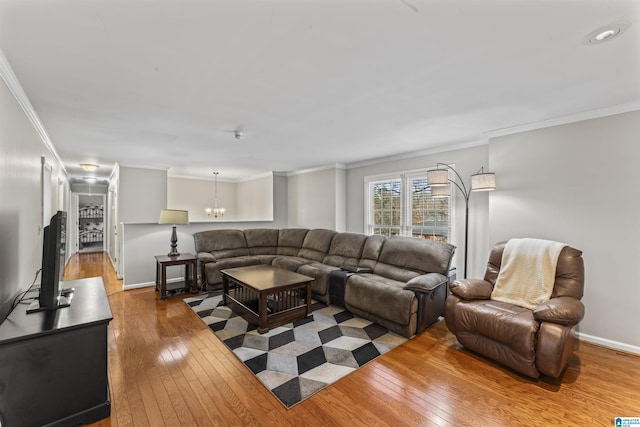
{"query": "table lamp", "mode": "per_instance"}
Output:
(173, 216)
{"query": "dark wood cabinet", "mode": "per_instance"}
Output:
(53, 364)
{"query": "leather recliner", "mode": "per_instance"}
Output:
(531, 341)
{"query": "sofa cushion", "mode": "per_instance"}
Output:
(345, 249)
(262, 241)
(212, 273)
(290, 240)
(502, 322)
(396, 273)
(205, 240)
(221, 243)
(316, 244)
(371, 251)
(418, 255)
(320, 272)
(291, 263)
(386, 298)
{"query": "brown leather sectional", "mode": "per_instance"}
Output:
(398, 282)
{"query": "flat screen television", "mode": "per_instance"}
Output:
(54, 253)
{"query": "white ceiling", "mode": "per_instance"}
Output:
(163, 83)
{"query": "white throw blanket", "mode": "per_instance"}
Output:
(527, 273)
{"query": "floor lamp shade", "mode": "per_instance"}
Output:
(485, 181)
(441, 191)
(173, 216)
(438, 180)
(437, 177)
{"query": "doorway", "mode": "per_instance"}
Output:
(91, 222)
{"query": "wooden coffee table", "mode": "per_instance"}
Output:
(267, 296)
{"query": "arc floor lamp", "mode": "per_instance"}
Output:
(440, 183)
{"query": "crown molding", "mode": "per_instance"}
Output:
(318, 169)
(12, 82)
(434, 150)
(259, 176)
(586, 115)
(201, 178)
(141, 166)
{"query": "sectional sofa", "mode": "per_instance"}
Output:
(398, 282)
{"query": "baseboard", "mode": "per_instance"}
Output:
(614, 345)
(147, 284)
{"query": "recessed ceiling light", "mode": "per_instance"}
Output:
(605, 33)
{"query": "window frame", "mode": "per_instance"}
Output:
(405, 227)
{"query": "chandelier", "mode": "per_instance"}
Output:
(215, 211)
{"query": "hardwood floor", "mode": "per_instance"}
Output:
(167, 369)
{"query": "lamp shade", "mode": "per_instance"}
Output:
(485, 181)
(173, 216)
(441, 191)
(437, 177)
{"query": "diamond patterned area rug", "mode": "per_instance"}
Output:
(296, 360)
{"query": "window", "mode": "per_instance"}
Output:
(401, 205)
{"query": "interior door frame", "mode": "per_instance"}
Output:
(76, 210)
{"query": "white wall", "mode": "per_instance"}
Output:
(142, 194)
(89, 189)
(255, 199)
(142, 241)
(21, 149)
(316, 199)
(250, 200)
(578, 184)
(340, 198)
(467, 161)
(196, 195)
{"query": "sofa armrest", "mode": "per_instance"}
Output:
(356, 269)
(205, 257)
(426, 282)
(566, 311)
(431, 292)
(471, 289)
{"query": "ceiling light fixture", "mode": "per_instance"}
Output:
(89, 167)
(216, 211)
(90, 179)
(605, 33)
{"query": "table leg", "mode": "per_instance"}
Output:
(163, 284)
(194, 277)
(157, 276)
(308, 286)
(187, 277)
(262, 312)
(225, 289)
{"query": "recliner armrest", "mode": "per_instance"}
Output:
(471, 289)
(426, 282)
(205, 257)
(562, 310)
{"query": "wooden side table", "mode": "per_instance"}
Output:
(190, 267)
